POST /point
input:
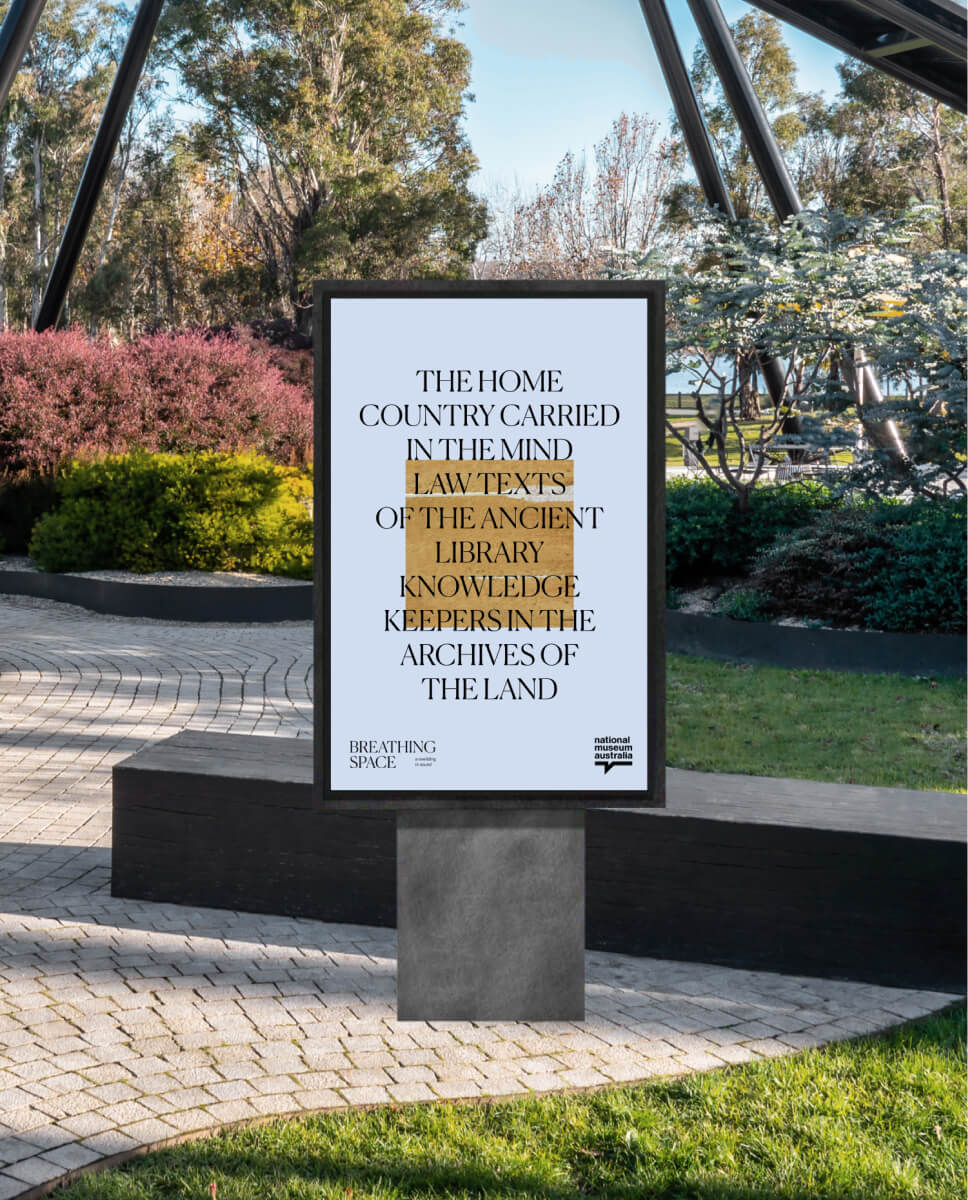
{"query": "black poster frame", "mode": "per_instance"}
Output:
(653, 795)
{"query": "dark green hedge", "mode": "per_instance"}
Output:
(705, 536)
(167, 512)
(880, 565)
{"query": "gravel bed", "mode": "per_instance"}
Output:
(10, 604)
(704, 602)
(217, 579)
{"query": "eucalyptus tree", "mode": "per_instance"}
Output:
(339, 123)
(52, 116)
(900, 148)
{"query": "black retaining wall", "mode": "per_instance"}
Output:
(930, 654)
(763, 644)
(167, 602)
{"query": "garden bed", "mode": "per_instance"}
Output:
(165, 595)
(246, 597)
(785, 644)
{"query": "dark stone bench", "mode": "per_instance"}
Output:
(770, 874)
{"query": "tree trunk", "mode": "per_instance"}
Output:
(40, 231)
(4, 150)
(153, 289)
(169, 286)
(112, 218)
(749, 399)
(941, 174)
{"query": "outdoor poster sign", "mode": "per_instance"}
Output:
(489, 543)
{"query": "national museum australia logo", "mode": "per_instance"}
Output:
(613, 752)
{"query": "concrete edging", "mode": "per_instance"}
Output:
(759, 644)
(158, 601)
(113, 1161)
(866, 652)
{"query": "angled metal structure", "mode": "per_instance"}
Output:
(99, 160)
(921, 42)
(700, 146)
(765, 150)
(749, 112)
(945, 51)
(688, 110)
(18, 28)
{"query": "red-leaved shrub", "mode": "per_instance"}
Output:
(64, 395)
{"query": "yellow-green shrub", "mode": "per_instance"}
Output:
(176, 512)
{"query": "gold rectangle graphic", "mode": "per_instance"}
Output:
(490, 544)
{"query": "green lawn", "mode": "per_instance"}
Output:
(825, 725)
(751, 429)
(877, 1119)
(674, 446)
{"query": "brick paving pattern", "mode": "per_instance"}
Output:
(124, 1024)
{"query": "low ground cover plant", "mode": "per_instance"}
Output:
(803, 551)
(880, 1118)
(895, 567)
(201, 511)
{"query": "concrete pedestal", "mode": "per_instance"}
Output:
(491, 915)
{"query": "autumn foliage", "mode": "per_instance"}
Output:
(64, 395)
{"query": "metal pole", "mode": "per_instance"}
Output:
(687, 108)
(98, 161)
(758, 135)
(743, 100)
(946, 33)
(700, 146)
(18, 28)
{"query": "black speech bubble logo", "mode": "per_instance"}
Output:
(624, 762)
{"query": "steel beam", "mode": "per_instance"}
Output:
(700, 146)
(687, 108)
(758, 135)
(947, 86)
(743, 100)
(899, 42)
(18, 28)
(98, 161)
(908, 18)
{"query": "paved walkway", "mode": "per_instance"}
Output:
(124, 1024)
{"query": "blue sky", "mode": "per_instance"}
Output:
(551, 75)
